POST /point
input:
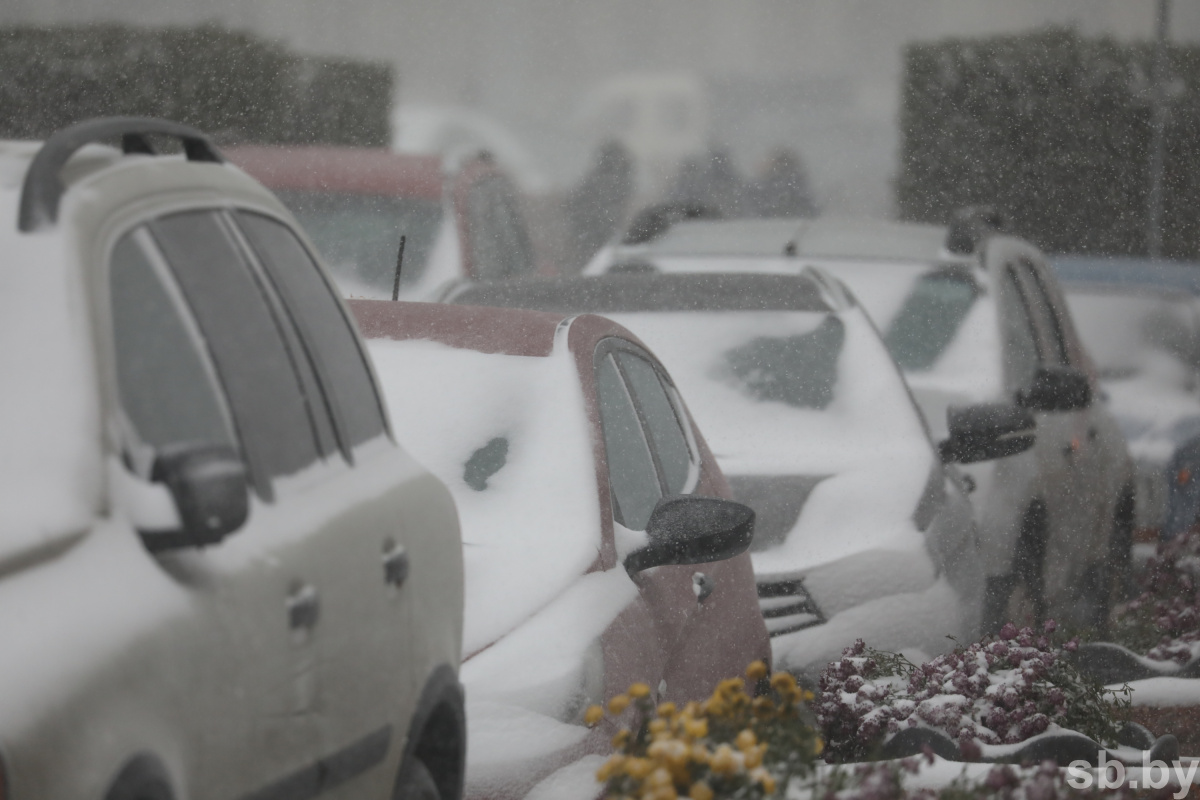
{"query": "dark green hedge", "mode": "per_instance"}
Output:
(1054, 129)
(238, 87)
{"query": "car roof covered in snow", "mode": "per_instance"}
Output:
(353, 170)
(649, 292)
(811, 238)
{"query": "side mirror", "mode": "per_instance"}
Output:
(1057, 389)
(986, 431)
(211, 492)
(685, 529)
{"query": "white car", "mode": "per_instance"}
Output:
(863, 531)
(971, 316)
(219, 575)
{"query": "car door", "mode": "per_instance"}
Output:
(651, 452)
(244, 680)
(304, 586)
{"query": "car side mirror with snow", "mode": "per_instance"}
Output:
(1057, 389)
(684, 529)
(210, 489)
(986, 431)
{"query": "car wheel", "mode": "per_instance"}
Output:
(142, 778)
(1020, 596)
(417, 783)
(1110, 581)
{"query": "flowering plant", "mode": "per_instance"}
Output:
(1001, 690)
(731, 745)
(1164, 620)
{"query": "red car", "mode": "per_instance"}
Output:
(356, 203)
(595, 553)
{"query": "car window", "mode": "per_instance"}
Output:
(247, 346)
(662, 420)
(1044, 312)
(166, 390)
(631, 472)
(929, 319)
(1020, 346)
(328, 337)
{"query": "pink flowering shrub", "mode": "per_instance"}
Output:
(1001, 690)
(1164, 620)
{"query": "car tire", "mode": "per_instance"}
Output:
(417, 783)
(142, 778)
(1109, 581)
(1020, 596)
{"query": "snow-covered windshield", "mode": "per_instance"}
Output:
(783, 392)
(359, 235)
(1122, 330)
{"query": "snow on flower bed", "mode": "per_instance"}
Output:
(996, 692)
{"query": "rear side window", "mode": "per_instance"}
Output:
(166, 389)
(631, 471)
(1020, 344)
(662, 420)
(247, 346)
(1044, 310)
(327, 334)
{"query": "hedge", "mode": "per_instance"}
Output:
(1054, 129)
(236, 86)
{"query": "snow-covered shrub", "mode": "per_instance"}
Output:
(731, 745)
(1001, 690)
(1164, 620)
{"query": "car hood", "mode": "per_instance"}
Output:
(51, 472)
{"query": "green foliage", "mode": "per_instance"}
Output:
(1054, 129)
(235, 86)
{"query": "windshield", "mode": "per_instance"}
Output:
(929, 319)
(1122, 330)
(358, 235)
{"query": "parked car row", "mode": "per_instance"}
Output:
(300, 545)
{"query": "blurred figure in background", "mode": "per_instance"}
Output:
(711, 181)
(782, 189)
(597, 207)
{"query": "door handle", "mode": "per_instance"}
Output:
(303, 607)
(395, 564)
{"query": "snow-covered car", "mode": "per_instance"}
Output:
(863, 530)
(219, 575)
(1140, 322)
(595, 553)
(971, 316)
(355, 203)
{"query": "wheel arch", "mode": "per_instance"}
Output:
(437, 734)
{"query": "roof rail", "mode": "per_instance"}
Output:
(971, 225)
(43, 188)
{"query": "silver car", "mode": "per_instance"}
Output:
(220, 577)
(971, 316)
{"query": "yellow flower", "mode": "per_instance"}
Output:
(754, 755)
(638, 767)
(700, 754)
(724, 761)
(610, 767)
(818, 746)
(807, 696)
(757, 670)
(621, 739)
(763, 707)
(700, 791)
(658, 725)
(783, 682)
(745, 740)
(730, 686)
(666, 792)
(666, 709)
(593, 715)
(639, 690)
(763, 778)
(659, 777)
(618, 704)
(695, 728)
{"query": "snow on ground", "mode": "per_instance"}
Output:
(1164, 691)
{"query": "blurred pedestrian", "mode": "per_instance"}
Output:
(782, 189)
(710, 181)
(596, 208)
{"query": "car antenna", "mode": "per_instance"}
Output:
(399, 265)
